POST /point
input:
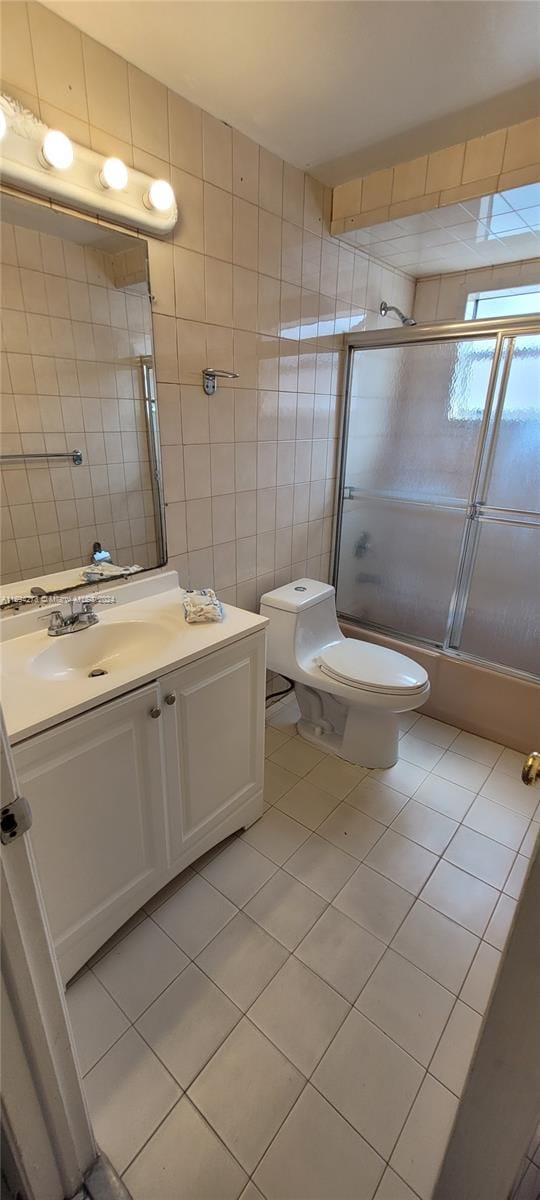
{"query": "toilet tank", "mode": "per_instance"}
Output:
(302, 619)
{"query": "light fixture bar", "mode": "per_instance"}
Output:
(81, 183)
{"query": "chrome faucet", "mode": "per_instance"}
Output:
(81, 616)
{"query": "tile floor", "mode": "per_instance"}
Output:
(293, 1018)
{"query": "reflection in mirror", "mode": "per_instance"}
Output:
(80, 463)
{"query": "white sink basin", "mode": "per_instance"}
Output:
(101, 648)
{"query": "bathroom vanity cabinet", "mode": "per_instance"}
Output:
(129, 793)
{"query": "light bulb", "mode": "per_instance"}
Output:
(114, 174)
(57, 150)
(160, 195)
(3, 124)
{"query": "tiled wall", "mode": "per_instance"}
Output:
(249, 281)
(506, 158)
(444, 297)
(68, 334)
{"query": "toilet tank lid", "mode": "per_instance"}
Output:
(295, 596)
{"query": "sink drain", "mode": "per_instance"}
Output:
(97, 671)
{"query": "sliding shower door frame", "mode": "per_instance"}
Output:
(504, 330)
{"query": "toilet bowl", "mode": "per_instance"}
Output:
(349, 692)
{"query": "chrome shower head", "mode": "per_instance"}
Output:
(385, 308)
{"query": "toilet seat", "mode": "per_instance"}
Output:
(372, 668)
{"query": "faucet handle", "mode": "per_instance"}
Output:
(55, 618)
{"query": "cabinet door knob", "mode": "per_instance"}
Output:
(155, 713)
(171, 698)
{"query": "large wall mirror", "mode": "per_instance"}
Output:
(80, 461)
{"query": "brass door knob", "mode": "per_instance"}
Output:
(531, 768)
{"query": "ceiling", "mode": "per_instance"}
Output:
(340, 87)
(459, 237)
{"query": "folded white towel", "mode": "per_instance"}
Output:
(201, 606)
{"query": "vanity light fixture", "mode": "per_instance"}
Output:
(46, 163)
(159, 196)
(57, 150)
(114, 174)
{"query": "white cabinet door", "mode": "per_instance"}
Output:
(213, 713)
(96, 788)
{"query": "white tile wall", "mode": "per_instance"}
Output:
(67, 335)
(250, 281)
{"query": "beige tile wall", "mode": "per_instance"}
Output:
(506, 158)
(67, 335)
(249, 281)
(444, 297)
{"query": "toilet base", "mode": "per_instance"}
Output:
(369, 738)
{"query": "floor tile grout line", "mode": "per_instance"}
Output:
(308, 1083)
(331, 985)
(464, 869)
(214, 935)
(209, 1126)
(170, 939)
(322, 835)
(132, 1023)
(307, 1079)
(312, 829)
(93, 960)
(327, 904)
(416, 1195)
(467, 757)
(245, 1014)
(446, 1024)
(482, 796)
(250, 1174)
(242, 908)
(243, 837)
(422, 1067)
(402, 955)
(455, 998)
(476, 953)
(185, 1089)
(151, 1135)
(105, 1052)
(444, 914)
(191, 961)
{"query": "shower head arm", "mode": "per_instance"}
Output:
(385, 309)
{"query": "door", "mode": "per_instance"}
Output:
(416, 413)
(439, 525)
(96, 787)
(499, 620)
(214, 728)
(45, 1125)
(499, 1112)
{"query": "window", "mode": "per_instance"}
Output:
(508, 302)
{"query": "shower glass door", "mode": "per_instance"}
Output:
(501, 609)
(437, 508)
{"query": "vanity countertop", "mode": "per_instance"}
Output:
(45, 680)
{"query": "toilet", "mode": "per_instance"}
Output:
(349, 692)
